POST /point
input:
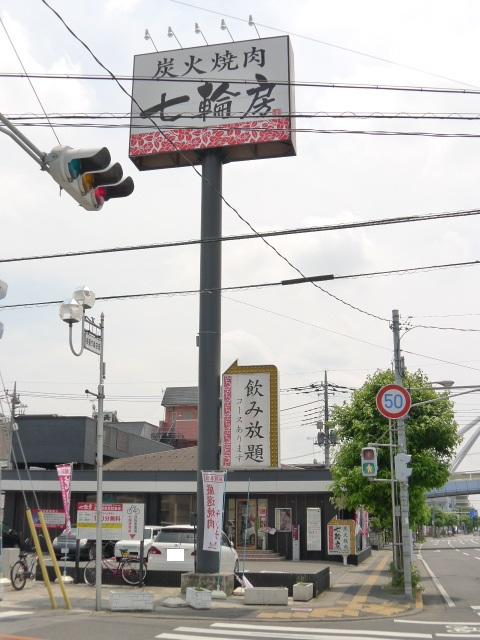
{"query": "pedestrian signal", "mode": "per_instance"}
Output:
(369, 462)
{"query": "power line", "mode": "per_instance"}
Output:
(221, 196)
(239, 128)
(344, 115)
(29, 79)
(314, 84)
(299, 230)
(262, 285)
(328, 44)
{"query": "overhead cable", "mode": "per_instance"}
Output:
(283, 232)
(221, 196)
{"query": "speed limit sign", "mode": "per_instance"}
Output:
(393, 401)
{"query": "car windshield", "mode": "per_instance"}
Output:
(176, 535)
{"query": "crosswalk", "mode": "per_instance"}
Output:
(238, 631)
(476, 609)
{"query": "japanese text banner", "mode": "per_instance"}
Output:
(213, 492)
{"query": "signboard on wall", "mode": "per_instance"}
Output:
(250, 438)
(120, 521)
(314, 529)
(283, 519)
(341, 537)
(237, 96)
(54, 518)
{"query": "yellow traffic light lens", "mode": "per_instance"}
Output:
(88, 182)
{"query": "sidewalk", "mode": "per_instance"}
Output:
(355, 592)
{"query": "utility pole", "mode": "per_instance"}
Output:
(209, 344)
(327, 428)
(402, 447)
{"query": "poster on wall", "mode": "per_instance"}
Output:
(250, 435)
(283, 519)
(314, 529)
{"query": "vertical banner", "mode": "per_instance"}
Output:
(213, 490)
(64, 472)
(250, 434)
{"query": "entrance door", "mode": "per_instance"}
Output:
(246, 531)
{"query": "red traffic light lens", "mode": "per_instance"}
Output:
(100, 194)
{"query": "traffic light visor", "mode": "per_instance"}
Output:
(89, 161)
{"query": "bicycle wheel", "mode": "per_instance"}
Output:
(89, 573)
(18, 575)
(131, 572)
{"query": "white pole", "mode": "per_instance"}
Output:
(98, 545)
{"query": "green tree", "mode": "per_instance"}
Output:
(431, 440)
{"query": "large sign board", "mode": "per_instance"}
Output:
(235, 96)
(250, 437)
(341, 537)
(120, 521)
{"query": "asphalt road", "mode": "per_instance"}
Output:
(452, 593)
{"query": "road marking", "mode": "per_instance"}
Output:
(437, 583)
(187, 633)
(477, 558)
(13, 613)
(357, 632)
(457, 635)
(474, 607)
(443, 624)
(466, 554)
(436, 551)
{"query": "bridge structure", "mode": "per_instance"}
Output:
(462, 483)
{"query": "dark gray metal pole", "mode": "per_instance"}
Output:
(209, 343)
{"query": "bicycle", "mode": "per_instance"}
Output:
(124, 567)
(24, 568)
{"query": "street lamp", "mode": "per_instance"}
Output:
(72, 311)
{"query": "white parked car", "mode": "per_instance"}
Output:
(174, 550)
(132, 547)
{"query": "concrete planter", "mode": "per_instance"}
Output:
(130, 600)
(266, 595)
(199, 598)
(303, 591)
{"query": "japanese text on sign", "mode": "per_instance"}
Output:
(213, 490)
(213, 96)
(248, 423)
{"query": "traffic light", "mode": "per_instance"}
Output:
(402, 471)
(87, 176)
(320, 438)
(3, 293)
(369, 462)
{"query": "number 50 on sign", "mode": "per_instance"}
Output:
(393, 401)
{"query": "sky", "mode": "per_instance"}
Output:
(337, 176)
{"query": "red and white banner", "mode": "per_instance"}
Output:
(64, 472)
(213, 491)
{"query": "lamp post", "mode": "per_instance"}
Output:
(92, 339)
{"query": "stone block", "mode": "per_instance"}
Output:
(267, 595)
(130, 601)
(199, 598)
(211, 581)
(303, 591)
